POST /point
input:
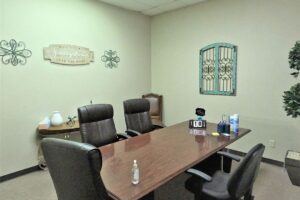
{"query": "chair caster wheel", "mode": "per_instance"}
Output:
(42, 165)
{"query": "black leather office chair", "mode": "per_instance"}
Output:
(219, 161)
(97, 125)
(224, 186)
(137, 117)
(75, 169)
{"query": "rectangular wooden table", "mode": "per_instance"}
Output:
(161, 155)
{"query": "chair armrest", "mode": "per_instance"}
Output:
(200, 174)
(229, 155)
(123, 136)
(132, 133)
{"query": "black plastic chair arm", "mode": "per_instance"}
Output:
(229, 155)
(132, 132)
(123, 136)
(200, 174)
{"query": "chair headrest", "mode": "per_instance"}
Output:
(74, 168)
(95, 112)
(60, 144)
(132, 106)
(64, 148)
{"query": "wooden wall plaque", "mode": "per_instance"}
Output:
(68, 54)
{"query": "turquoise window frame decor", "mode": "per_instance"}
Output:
(217, 66)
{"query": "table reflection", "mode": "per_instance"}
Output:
(107, 151)
(137, 142)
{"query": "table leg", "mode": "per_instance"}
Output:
(41, 161)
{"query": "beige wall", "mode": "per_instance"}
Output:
(31, 92)
(1, 94)
(264, 32)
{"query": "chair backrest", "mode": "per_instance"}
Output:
(97, 125)
(242, 179)
(155, 105)
(137, 116)
(75, 169)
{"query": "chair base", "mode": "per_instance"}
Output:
(149, 196)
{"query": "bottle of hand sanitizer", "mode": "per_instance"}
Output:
(135, 173)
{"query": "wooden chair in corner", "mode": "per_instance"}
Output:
(155, 107)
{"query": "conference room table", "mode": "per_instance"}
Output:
(161, 155)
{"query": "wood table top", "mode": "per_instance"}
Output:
(161, 155)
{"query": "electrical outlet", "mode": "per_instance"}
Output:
(272, 143)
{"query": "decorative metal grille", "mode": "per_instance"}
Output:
(14, 52)
(218, 69)
(110, 58)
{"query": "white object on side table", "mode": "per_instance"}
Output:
(56, 119)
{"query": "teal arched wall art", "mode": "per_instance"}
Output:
(217, 68)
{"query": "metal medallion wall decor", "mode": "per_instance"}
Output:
(13, 52)
(110, 58)
(68, 54)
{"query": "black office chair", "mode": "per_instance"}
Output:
(97, 125)
(137, 117)
(75, 169)
(224, 186)
(221, 160)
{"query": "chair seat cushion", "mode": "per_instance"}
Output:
(217, 188)
(193, 184)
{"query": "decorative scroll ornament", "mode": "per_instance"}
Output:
(110, 58)
(13, 52)
(68, 54)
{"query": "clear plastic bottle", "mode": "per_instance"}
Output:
(135, 173)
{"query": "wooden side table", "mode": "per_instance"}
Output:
(51, 131)
(54, 130)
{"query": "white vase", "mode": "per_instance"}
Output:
(56, 119)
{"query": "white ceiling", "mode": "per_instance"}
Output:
(151, 7)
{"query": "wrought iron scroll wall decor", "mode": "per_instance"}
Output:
(110, 58)
(13, 52)
(218, 69)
